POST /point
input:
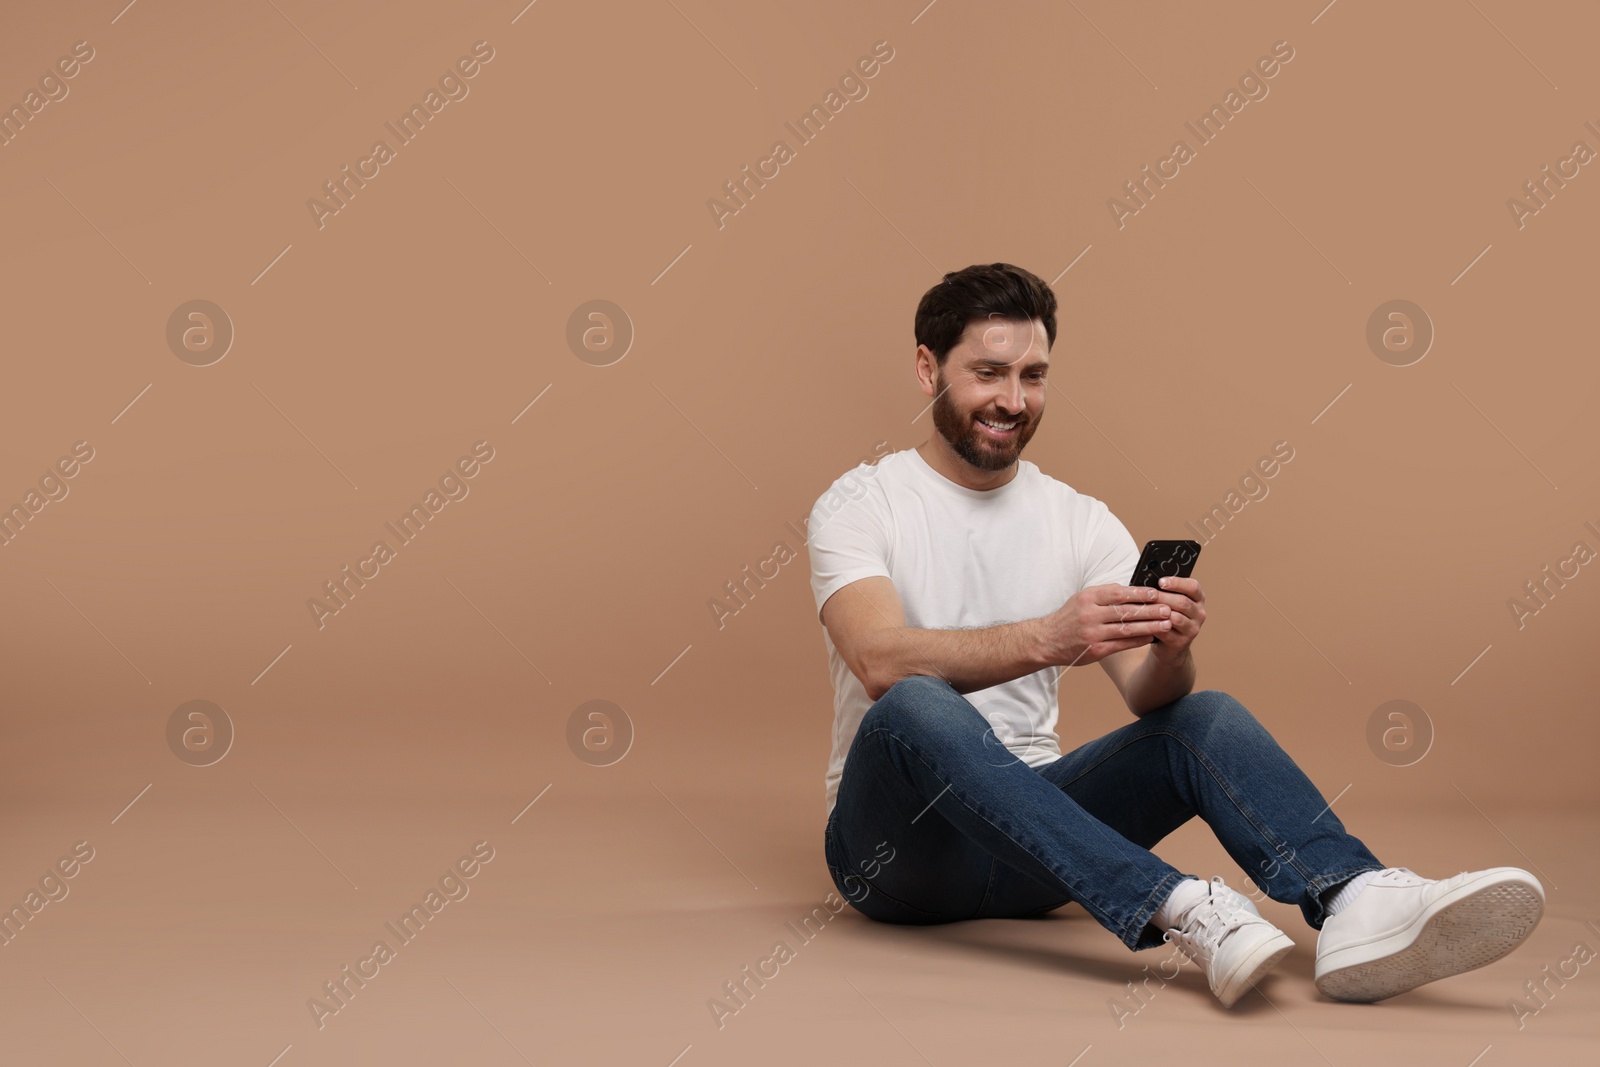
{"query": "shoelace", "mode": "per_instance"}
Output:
(1212, 919)
(1222, 891)
(1401, 876)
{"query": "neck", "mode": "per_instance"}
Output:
(938, 454)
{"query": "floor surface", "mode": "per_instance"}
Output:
(605, 930)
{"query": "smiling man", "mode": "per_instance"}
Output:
(955, 590)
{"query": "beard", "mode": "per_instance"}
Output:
(960, 429)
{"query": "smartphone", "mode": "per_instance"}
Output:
(1165, 559)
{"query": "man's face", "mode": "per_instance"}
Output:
(989, 394)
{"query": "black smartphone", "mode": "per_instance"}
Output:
(1165, 559)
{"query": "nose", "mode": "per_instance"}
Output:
(1010, 399)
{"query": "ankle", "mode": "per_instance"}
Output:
(1339, 897)
(1184, 896)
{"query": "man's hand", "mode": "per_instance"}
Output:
(1166, 671)
(1187, 602)
(1105, 619)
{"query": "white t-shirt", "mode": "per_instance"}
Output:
(962, 558)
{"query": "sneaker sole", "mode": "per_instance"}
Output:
(1253, 968)
(1466, 934)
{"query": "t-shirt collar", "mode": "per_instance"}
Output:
(933, 476)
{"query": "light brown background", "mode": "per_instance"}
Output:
(769, 358)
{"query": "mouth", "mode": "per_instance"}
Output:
(999, 429)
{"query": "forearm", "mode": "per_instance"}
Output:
(1155, 683)
(968, 659)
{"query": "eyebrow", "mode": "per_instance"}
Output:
(1038, 364)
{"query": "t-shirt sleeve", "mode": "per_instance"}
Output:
(848, 540)
(1110, 553)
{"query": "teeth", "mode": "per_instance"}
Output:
(1002, 426)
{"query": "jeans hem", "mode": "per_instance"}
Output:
(1315, 912)
(1136, 934)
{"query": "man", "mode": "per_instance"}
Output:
(955, 583)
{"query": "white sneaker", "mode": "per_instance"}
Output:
(1226, 935)
(1402, 930)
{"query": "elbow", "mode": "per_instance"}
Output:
(869, 670)
(879, 669)
(877, 678)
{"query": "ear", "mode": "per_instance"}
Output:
(926, 368)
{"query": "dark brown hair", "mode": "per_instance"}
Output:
(979, 292)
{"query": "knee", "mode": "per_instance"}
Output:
(919, 700)
(1210, 714)
(915, 690)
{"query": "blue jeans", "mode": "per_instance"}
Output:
(936, 821)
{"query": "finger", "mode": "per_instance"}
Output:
(1189, 587)
(1185, 630)
(1150, 628)
(1180, 604)
(1124, 594)
(1119, 613)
